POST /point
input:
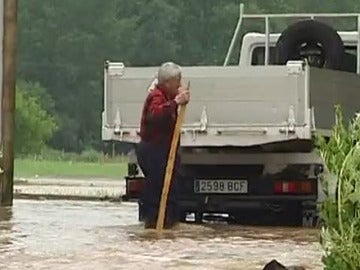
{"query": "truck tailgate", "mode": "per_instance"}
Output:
(230, 106)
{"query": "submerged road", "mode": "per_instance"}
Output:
(60, 234)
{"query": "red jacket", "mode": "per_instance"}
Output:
(158, 118)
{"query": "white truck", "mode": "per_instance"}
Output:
(247, 143)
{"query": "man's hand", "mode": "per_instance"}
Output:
(184, 88)
(183, 96)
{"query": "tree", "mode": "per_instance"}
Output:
(34, 126)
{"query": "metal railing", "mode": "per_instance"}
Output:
(267, 17)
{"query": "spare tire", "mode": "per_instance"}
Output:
(317, 42)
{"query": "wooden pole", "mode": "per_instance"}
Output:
(8, 100)
(169, 169)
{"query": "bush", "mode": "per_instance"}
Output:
(56, 155)
(34, 126)
(90, 156)
(340, 235)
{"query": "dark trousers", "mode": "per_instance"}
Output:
(152, 160)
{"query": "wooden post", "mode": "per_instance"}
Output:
(8, 100)
(169, 169)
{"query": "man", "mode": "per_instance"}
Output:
(157, 125)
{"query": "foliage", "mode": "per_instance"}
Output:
(89, 155)
(33, 125)
(341, 214)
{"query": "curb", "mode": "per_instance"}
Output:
(29, 196)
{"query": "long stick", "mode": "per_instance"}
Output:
(169, 169)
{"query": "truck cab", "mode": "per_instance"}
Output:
(252, 52)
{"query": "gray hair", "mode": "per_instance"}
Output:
(168, 71)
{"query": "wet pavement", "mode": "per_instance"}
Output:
(60, 234)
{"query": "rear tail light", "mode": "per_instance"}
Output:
(134, 187)
(294, 187)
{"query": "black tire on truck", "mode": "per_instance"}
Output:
(311, 35)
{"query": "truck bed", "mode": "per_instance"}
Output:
(328, 88)
(235, 106)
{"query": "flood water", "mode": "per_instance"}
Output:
(102, 235)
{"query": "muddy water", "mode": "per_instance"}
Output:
(92, 235)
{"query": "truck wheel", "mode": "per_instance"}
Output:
(198, 217)
(182, 216)
(140, 211)
(312, 40)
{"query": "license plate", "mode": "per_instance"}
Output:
(220, 186)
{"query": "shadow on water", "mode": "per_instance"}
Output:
(6, 227)
(224, 231)
(222, 246)
(6, 214)
(221, 228)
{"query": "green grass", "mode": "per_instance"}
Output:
(28, 168)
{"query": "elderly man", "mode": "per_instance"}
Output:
(157, 125)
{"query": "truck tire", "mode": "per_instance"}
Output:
(313, 35)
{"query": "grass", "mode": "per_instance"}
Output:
(28, 168)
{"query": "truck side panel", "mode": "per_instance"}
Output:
(234, 101)
(328, 88)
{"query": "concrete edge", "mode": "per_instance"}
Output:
(65, 197)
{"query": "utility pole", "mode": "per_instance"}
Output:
(9, 15)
